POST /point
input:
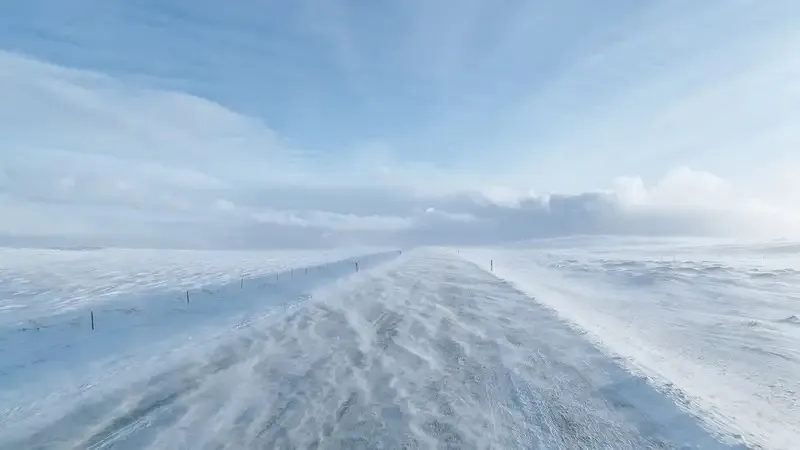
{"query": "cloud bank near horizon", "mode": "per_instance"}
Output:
(92, 161)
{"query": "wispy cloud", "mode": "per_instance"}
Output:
(273, 123)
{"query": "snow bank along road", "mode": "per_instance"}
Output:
(714, 325)
(426, 350)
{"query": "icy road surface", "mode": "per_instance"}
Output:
(426, 350)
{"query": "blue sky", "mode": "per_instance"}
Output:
(336, 76)
(129, 117)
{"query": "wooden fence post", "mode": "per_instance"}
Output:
(91, 314)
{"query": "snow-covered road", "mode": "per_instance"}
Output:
(425, 351)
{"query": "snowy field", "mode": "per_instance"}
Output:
(566, 344)
(714, 325)
(138, 303)
(36, 284)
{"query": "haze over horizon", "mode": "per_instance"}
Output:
(265, 123)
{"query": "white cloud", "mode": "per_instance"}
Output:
(89, 159)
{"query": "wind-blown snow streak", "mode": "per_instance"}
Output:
(93, 340)
(429, 351)
(714, 325)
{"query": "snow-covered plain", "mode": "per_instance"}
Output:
(618, 344)
(137, 300)
(37, 283)
(716, 326)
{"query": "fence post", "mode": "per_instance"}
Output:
(187, 296)
(241, 283)
(356, 266)
(91, 314)
(491, 265)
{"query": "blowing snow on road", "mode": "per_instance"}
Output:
(422, 350)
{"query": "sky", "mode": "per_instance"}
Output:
(262, 123)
